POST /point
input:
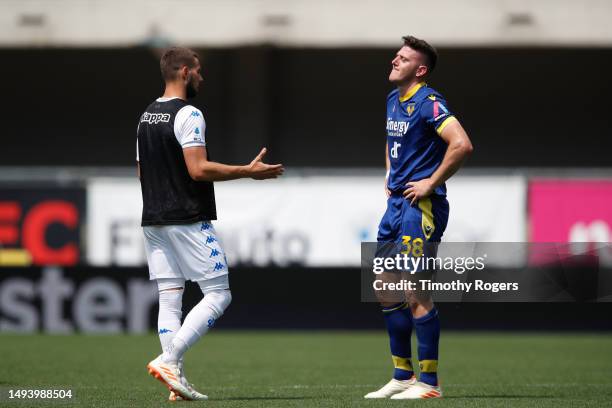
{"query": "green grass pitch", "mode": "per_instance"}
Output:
(312, 369)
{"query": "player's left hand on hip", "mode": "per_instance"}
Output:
(417, 190)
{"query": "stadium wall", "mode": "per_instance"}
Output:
(310, 107)
(96, 223)
(118, 300)
(307, 220)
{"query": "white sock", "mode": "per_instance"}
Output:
(198, 321)
(170, 311)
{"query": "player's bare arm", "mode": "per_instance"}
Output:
(201, 169)
(459, 148)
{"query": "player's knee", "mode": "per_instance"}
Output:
(412, 300)
(218, 301)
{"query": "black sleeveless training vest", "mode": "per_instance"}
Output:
(169, 194)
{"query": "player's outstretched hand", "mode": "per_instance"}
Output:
(417, 190)
(261, 171)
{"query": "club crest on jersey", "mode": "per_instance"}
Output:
(397, 128)
(410, 108)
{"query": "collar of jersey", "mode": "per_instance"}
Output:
(166, 99)
(412, 91)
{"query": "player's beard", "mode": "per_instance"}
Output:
(190, 88)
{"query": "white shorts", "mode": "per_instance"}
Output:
(189, 251)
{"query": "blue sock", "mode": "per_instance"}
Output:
(399, 326)
(428, 335)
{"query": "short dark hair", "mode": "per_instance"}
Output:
(422, 46)
(174, 59)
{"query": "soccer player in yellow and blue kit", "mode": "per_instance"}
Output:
(426, 145)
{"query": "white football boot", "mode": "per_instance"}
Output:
(393, 387)
(420, 390)
(170, 375)
(194, 394)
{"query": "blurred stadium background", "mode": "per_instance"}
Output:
(308, 79)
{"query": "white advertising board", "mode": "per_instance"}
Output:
(313, 220)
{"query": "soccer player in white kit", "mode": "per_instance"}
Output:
(178, 206)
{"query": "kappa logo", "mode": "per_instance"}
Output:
(154, 118)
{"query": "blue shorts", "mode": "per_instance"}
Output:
(427, 219)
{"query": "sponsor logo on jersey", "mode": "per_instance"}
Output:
(154, 118)
(395, 150)
(164, 331)
(195, 113)
(397, 128)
